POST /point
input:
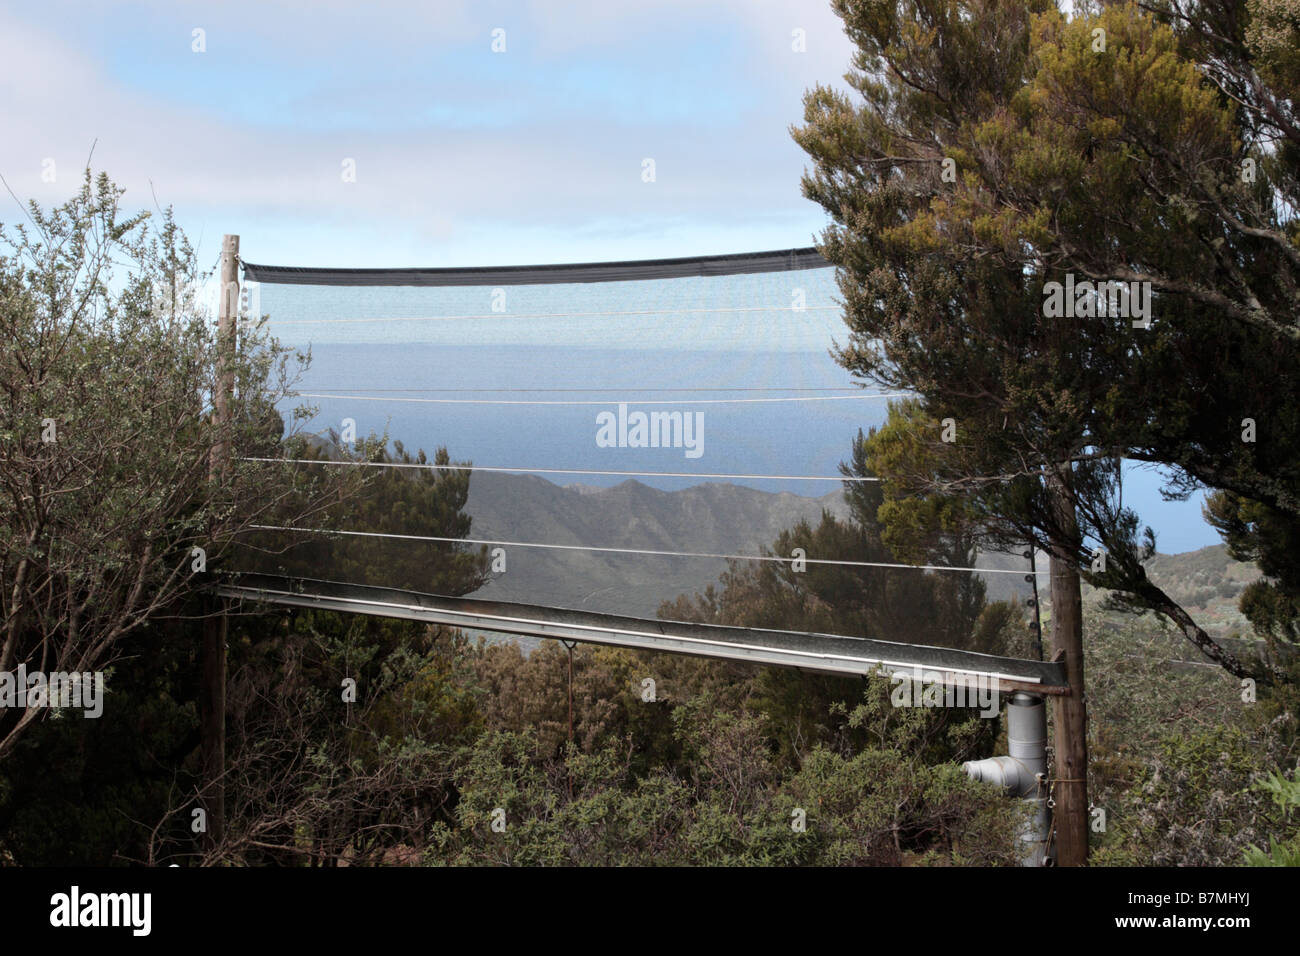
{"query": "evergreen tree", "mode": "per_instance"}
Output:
(1000, 148)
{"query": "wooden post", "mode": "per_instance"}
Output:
(1070, 719)
(212, 722)
(227, 309)
(212, 690)
(570, 647)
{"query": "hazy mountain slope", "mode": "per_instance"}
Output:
(712, 518)
(1206, 583)
(732, 519)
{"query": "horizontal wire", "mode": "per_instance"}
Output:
(612, 401)
(551, 471)
(666, 554)
(614, 388)
(556, 315)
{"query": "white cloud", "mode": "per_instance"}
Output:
(572, 180)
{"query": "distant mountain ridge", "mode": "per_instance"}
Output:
(1206, 582)
(709, 518)
(718, 518)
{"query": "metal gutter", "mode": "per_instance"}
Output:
(822, 653)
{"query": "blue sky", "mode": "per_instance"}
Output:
(463, 156)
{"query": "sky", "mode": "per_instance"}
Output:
(462, 155)
(245, 117)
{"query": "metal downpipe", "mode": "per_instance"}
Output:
(1023, 772)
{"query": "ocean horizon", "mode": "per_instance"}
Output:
(419, 363)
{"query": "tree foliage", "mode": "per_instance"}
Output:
(106, 434)
(998, 148)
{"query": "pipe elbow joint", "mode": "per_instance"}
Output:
(1008, 773)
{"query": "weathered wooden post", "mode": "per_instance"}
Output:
(1070, 786)
(212, 689)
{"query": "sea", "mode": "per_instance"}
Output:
(522, 377)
